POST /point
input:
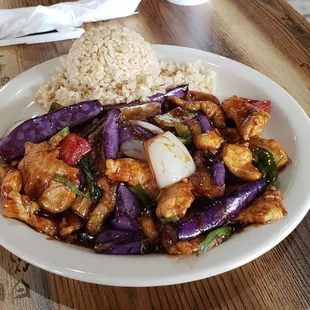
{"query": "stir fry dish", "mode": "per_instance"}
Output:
(178, 174)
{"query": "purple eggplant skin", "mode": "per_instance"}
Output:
(126, 223)
(127, 203)
(130, 248)
(179, 91)
(117, 236)
(45, 126)
(118, 242)
(218, 174)
(134, 132)
(111, 135)
(205, 124)
(219, 212)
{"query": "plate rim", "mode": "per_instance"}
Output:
(177, 279)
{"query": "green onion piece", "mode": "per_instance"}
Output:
(64, 132)
(215, 236)
(159, 195)
(74, 189)
(93, 189)
(186, 138)
(55, 106)
(61, 134)
(170, 220)
(141, 193)
(181, 129)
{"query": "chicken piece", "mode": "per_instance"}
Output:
(104, 208)
(214, 113)
(57, 197)
(174, 247)
(132, 171)
(237, 109)
(17, 206)
(212, 110)
(254, 124)
(38, 167)
(189, 247)
(20, 207)
(195, 127)
(238, 160)
(169, 239)
(69, 224)
(231, 135)
(203, 185)
(280, 155)
(250, 120)
(210, 141)
(12, 181)
(149, 228)
(175, 200)
(266, 208)
(199, 96)
(199, 158)
(4, 169)
(82, 206)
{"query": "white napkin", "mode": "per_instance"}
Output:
(63, 17)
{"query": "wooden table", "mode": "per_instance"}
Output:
(267, 35)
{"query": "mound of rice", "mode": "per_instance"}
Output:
(114, 64)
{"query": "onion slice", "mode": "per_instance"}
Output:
(133, 149)
(169, 159)
(152, 128)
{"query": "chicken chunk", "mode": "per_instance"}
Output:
(175, 200)
(267, 208)
(174, 247)
(104, 208)
(231, 135)
(212, 110)
(56, 198)
(20, 207)
(195, 127)
(210, 141)
(133, 172)
(82, 206)
(149, 228)
(4, 169)
(238, 160)
(38, 167)
(12, 181)
(280, 155)
(199, 158)
(200, 96)
(69, 224)
(250, 120)
(189, 247)
(254, 124)
(203, 185)
(237, 109)
(214, 113)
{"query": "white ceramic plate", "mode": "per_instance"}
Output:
(289, 125)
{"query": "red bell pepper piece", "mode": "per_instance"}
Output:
(262, 104)
(72, 148)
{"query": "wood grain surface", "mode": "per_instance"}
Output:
(267, 35)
